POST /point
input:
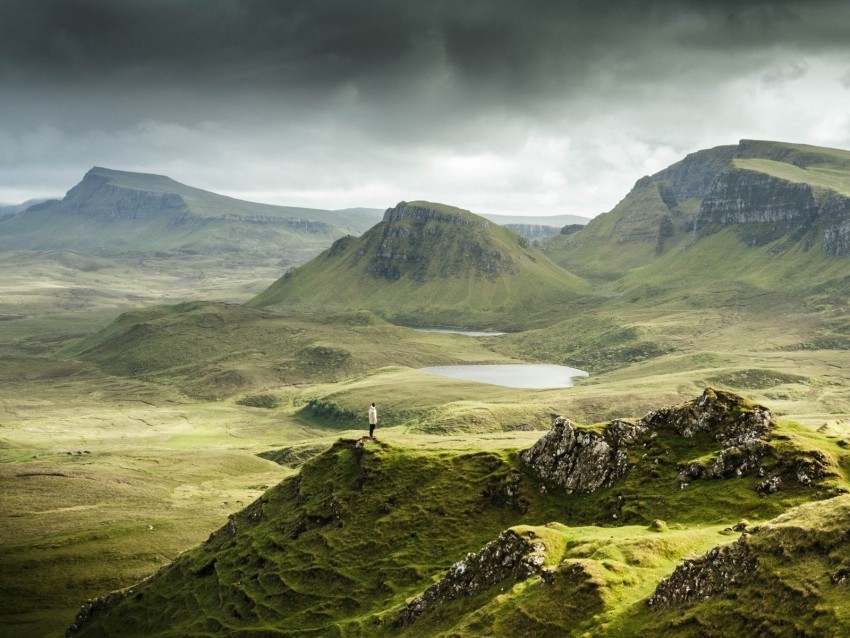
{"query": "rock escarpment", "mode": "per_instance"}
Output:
(690, 177)
(582, 461)
(511, 557)
(767, 208)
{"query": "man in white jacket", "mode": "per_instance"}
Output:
(373, 419)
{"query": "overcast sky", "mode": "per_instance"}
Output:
(524, 106)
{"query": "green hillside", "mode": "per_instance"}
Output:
(765, 193)
(429, 264)
(372, 539)
(216, 350)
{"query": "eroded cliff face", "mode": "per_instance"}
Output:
(96, 196)
(767, 208)
(740, 196)
(413, 235)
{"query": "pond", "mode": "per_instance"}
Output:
(529, 376)
(468, 333)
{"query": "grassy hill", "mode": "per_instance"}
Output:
(766, 193)
(429, 264)
(377, 539)
(215, 350)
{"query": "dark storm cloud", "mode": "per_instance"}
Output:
(483, 101)
(502, 48)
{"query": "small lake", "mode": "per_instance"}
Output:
(529, 376)
(468, 333)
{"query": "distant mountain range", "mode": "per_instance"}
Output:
(112, 212)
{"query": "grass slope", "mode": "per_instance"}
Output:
(216, 350)
(429, 265)
(339, 549)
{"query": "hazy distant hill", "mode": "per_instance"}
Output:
(537, 227)
(428, 263)
(8, 211)
(113, 211)
(774, 198)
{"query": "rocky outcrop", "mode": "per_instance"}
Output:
(411, 235)
(733, 461)
(582, 461)
(511, 557)
(728, 416)
(423, 215)
(706, 577)
(691, 177)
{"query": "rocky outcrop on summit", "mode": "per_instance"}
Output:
(511, 557)
(706, 577)
(728, 416)
(690, 178)
(583, 461)
(410, 234)
(425, 214)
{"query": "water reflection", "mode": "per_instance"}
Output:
(531, 376)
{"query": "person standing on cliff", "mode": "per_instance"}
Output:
(373, 420)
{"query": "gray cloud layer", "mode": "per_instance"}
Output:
(375, 96)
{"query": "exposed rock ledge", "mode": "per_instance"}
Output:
(582, 461)
(405, 210)
(707, 576)
(510, 557)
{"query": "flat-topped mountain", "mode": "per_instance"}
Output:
(428, 263)
(113, 211)
(782, 199)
